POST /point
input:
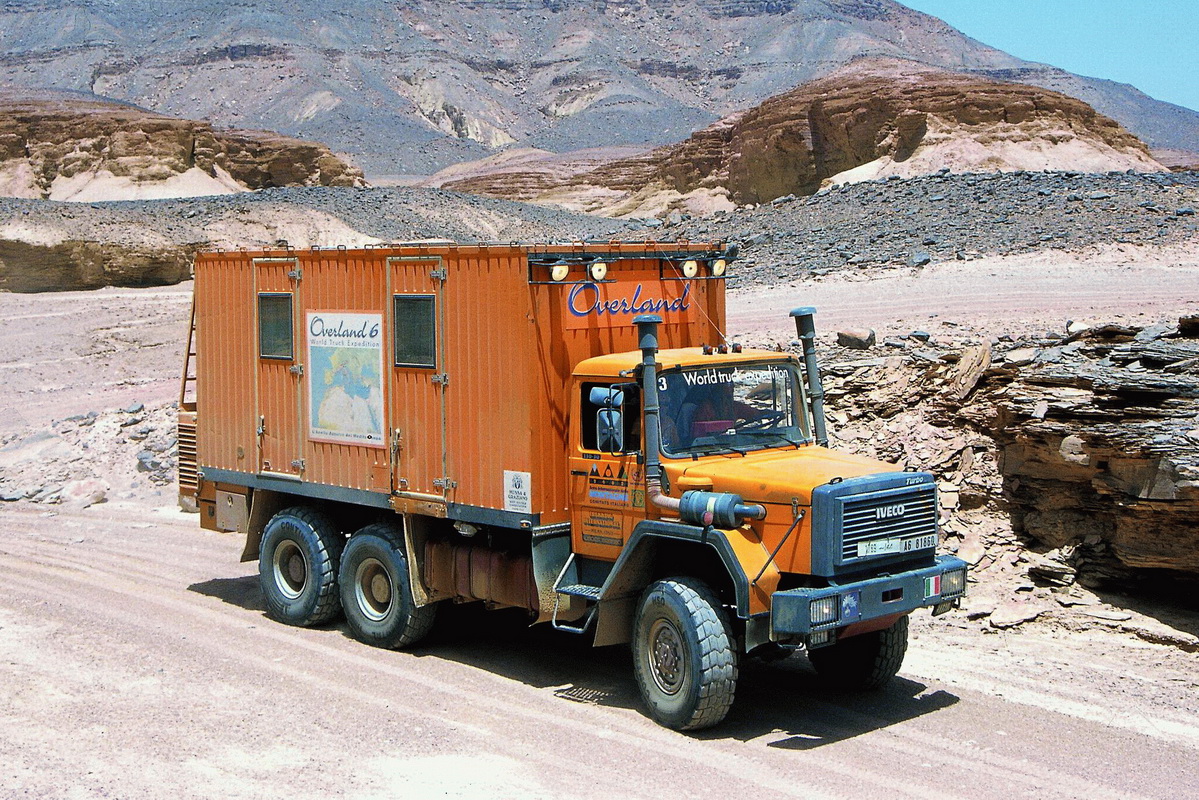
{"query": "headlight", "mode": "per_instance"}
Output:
(953, 582)
(823, 610)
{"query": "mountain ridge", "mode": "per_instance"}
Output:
(412, 86)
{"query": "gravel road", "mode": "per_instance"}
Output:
(137, 663)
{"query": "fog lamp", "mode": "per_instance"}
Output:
(559, 272)
(690, 268)
(599, 271)
(953, 582)
(820, 638)
(824, 610)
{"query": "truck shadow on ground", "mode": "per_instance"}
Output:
(782, 701)
(242, 592)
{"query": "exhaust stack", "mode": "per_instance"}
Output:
(721, 509)
(805, 326)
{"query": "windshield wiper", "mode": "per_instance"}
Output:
(714, 447)
(785, 437)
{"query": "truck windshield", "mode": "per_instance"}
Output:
(732, 408)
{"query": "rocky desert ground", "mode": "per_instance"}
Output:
(138, 661)
(1005, 261)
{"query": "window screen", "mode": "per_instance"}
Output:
(415, 331)
(274, 326)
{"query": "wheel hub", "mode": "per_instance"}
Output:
(666, 656)
(372, 589)
(291, 569)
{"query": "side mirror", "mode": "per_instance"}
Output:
(606, 396)
(609, 431)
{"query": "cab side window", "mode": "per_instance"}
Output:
(630, 411)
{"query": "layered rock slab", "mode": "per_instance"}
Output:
(66, 146)
(874, 118)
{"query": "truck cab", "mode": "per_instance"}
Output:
(802, 546)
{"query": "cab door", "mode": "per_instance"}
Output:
(607, 489)
(278, 389)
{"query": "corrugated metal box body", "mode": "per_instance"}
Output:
(495, 401)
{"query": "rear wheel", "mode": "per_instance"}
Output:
(683, 655)
(866, 661)
(376, 592)
(297, 566)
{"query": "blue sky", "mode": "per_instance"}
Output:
(1152, 44)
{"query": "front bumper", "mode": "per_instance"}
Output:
(861, 601)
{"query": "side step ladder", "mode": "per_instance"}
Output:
(586, 591)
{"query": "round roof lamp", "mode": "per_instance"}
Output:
(599, 271)
(718, 267)
(690, 268)
(559, 272)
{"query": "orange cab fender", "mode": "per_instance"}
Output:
(634, 570)
(659, 549)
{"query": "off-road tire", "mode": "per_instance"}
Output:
(376, 592)
(297, 566)
(683, 654)
(867, 661)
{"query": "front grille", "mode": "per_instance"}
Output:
(903, 514)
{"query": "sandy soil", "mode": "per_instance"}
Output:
(73, 352)
(994, 295)
(136, 661)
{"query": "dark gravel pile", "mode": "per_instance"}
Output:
(897, 223)
(884, 224)
(391, 214)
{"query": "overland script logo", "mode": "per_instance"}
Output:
(890, 512)
(586, 299)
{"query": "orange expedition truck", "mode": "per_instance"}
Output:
(560, 428)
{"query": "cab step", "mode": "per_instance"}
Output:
(587, 592)
(580, 590)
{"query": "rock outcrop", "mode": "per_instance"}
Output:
(1072, 457)
(62, 146)
(875, 118)
(1100, 439)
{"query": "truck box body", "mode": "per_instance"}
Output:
(429, 378)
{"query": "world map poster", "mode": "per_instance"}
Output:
(345, 394)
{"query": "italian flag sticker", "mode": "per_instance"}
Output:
(932, 586)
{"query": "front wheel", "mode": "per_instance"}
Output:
(376, 592)
(866, 661)
(683, 655)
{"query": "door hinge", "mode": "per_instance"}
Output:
(296, 369)
(440, 378)
(261, 426)
(445, 483)
(439, 274)
(295, 274)
(298, 464)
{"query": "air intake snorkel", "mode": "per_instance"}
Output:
(718, 509)
(805, 326)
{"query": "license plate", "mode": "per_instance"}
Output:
(882, 547)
